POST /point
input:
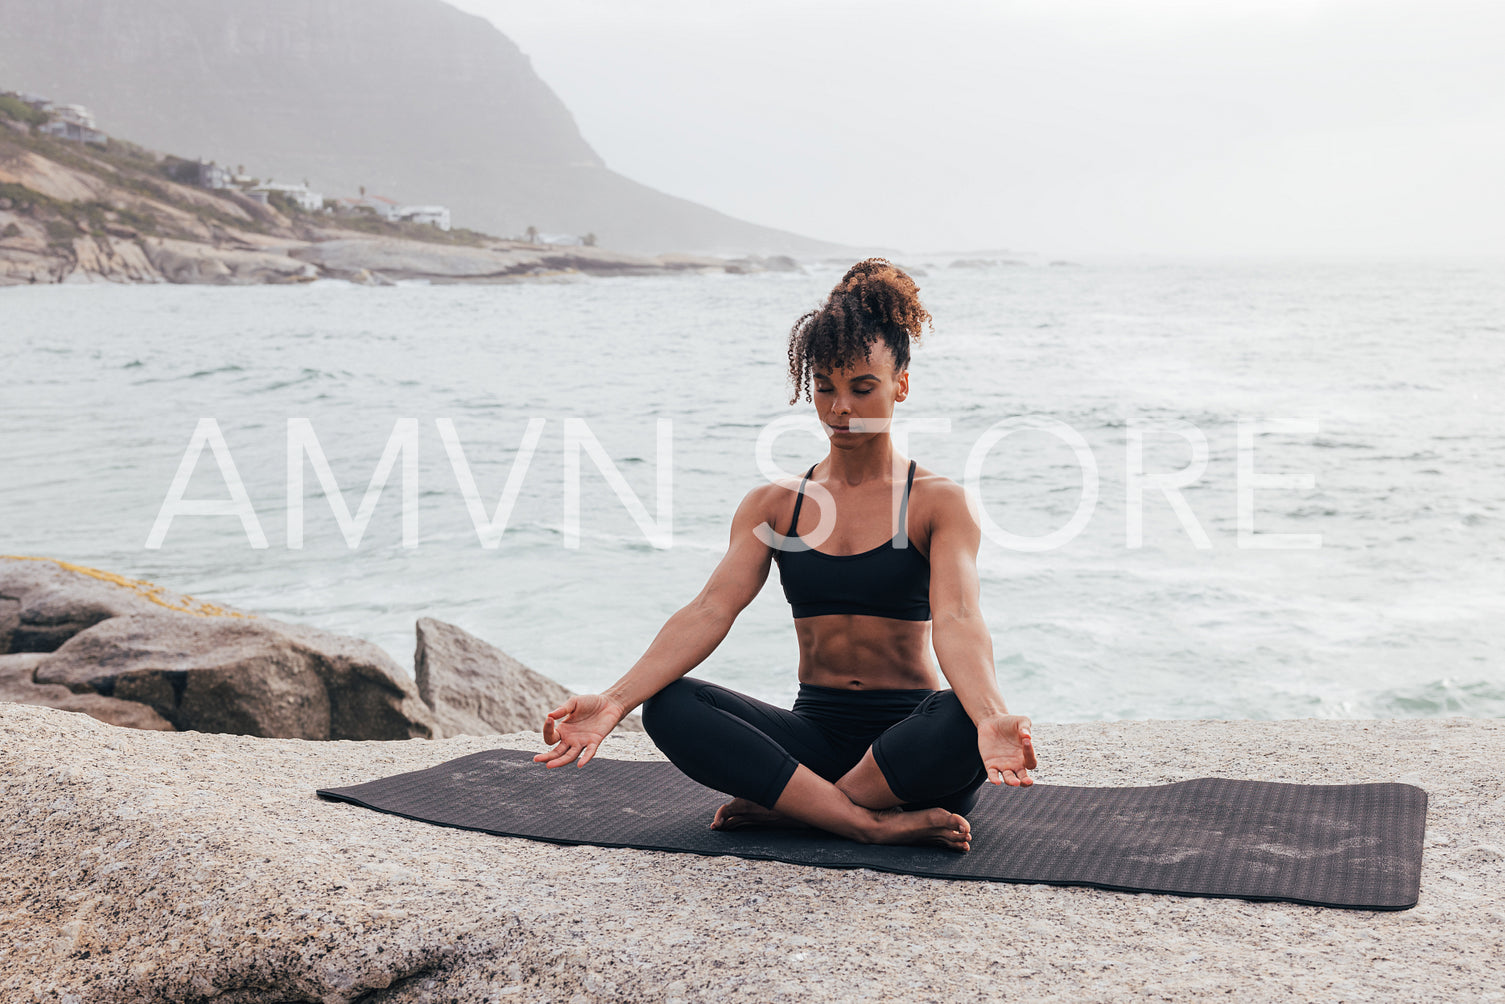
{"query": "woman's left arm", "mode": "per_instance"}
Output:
(963, 645)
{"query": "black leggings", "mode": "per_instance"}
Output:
(923, 740)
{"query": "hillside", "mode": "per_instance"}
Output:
(75, 212)
(410, 98)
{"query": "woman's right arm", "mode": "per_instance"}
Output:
(689, 636)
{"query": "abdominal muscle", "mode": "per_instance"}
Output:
(862, 652)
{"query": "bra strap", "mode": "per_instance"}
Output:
(902, 538)
(799, 500)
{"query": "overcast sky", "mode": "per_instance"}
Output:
(1053, 126)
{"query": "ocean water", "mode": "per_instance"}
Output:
(1369, 396)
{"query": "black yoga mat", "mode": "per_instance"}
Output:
(1343, 845)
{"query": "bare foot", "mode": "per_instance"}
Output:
(922, 826)
(741, 814)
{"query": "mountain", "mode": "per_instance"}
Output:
(115, 211)
(413, 99)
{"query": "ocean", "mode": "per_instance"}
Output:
(1335, 546)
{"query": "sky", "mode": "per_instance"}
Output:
(1223, 127)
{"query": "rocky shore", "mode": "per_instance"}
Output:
(169, 867)
(72, 213)
(132, 653)
(181, 855)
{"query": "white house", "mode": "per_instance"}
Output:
(436, 215)
(300, 195)
(383, 207)
(74, 122)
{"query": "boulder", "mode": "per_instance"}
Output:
(476, 689)
(199, 666)
(44, 602)
(18, 686)
(189, 262)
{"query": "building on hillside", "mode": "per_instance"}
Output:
(299, 195)
(202, 173)
(70, 122)
(566, 239)
(382, 207)
(435, 215)
(211, 175)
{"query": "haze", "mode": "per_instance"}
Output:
(1281, 127)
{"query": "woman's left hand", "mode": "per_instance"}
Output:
(1007, 749)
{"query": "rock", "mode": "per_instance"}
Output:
(476, 689)
(200, 666)
(396, 258)
(255, 677)
(180, 867)
(188, 262)
(44, 602)
(679, 262)
(366, 277)
(17, 685)
(750, 264)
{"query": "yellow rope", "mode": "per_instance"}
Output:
(158, 595)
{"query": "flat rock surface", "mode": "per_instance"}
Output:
(193, 867)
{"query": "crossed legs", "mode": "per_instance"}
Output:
(785, 769)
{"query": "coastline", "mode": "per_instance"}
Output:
(182, 866)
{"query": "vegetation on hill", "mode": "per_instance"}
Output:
(162, 206)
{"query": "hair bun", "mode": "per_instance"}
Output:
(875, 300)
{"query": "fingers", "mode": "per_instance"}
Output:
(590, 751)
(569, 754)
(561, 754)
(1028, 743)
(1014, 777)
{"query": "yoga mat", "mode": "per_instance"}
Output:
(1345, 845)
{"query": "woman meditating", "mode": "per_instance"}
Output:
(872, 749)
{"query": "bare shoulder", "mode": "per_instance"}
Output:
(765, 502)
(937, 494)
(941, 504)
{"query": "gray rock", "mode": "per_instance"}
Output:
(395, 258)
(476, 689)
(17, 685)
(200, 666)
(44, 602)
(251, 676)
(750, 264)
(188, 262)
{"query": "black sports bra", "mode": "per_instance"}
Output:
(889, 580)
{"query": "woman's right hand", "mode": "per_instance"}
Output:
(577, 729)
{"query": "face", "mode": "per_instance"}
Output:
(856, 403)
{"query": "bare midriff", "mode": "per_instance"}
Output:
(863, 652)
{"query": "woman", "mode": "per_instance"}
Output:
(872, 749)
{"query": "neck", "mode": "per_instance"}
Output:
(872, 459)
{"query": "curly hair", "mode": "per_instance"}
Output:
(875, 300)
